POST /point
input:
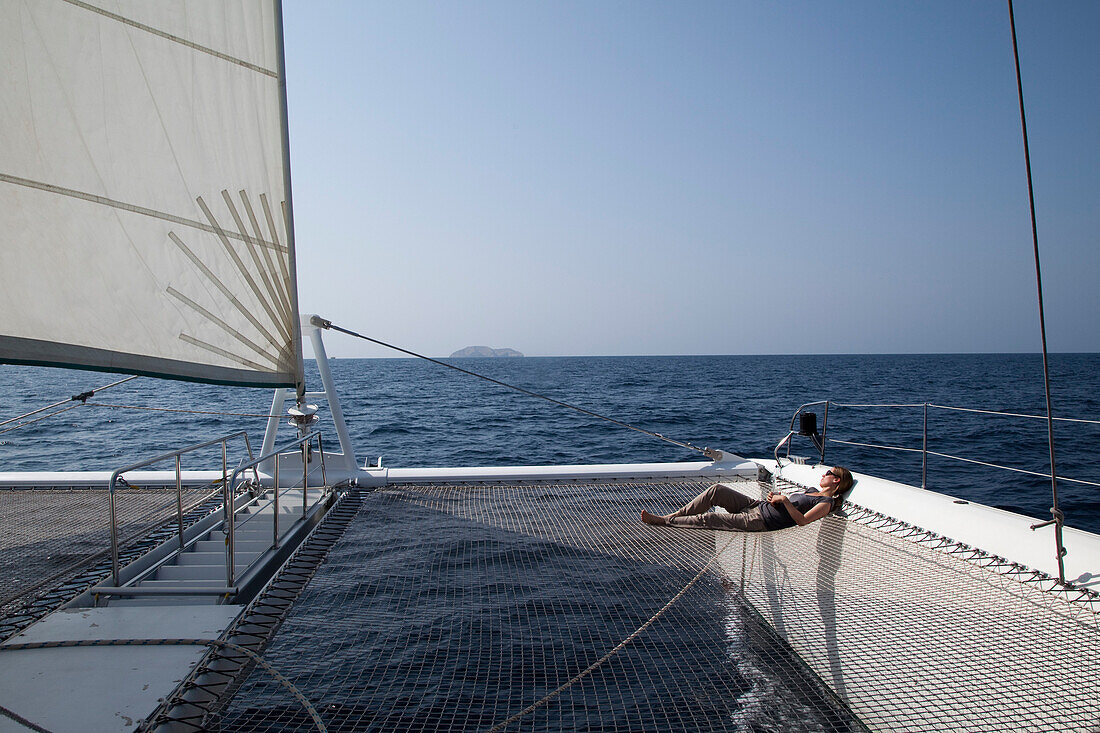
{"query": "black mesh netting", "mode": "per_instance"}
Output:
(507, 608)
(459, 608)
(56, 542)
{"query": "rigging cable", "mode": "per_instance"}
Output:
(326, 324)
(189, 412)
(1056, 513)
(82, 398)
(38, 419)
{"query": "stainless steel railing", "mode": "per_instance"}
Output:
(176, 456)
(923, 450)
(1057, 519)
(304, 444)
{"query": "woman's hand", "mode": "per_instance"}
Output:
(776, 499)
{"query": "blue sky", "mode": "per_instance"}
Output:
(694, 178)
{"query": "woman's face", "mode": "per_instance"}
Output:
(830, 479)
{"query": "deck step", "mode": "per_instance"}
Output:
(184, 574)
(166, 601)
(212, 583)
(215, 558)
(240, 547)
(203, 564)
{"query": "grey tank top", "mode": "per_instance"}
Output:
(777, 517)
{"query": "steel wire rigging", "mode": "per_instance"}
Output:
(708, 452)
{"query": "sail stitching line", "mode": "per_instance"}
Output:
(242, 269)
(282, 298)
(175, 39)
(224, 289)
(281, 316)
(221, 352)
(114, 203)
(224, 326)
(275, 238)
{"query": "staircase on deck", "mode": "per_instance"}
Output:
(203, 562)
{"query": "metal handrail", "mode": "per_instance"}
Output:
(1058, 517)
(923, 450)
(230, 515)
(792, 432)
(223, 440)
(1038, 474)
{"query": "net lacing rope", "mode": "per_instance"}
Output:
(294, 691)
(599, 662)
(547, 606)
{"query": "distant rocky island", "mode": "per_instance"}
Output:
(482, 351)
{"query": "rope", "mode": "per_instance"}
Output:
(181, 642)
(592, 667)
(1009, 468)
(82, 397)
(38, 419)
(190, 412)
(322, 323)
(965, 460)
(23, 721)
(1042, 318)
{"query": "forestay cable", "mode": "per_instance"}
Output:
(326, 324)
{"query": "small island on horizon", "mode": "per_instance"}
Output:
(483, 351)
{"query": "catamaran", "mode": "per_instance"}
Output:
(145, 164)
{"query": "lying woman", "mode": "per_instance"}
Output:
(753, 515)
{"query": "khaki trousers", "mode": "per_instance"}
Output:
(744, 513)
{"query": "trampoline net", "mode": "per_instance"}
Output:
(460, 608)
(56, 542)
(491, 608)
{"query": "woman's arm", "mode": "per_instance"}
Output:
(818, 510)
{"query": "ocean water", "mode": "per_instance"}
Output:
(431, 631)
(415, 413)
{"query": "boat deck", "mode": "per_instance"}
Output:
(547, 605)
(105, 660)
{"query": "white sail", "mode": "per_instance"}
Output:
(143, 190)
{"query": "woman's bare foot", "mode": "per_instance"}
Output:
(653, 519)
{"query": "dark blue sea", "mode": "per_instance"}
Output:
(415, 413)
(461, 626)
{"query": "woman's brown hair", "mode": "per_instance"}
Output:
(846, 480)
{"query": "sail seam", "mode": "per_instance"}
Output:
(224, 326)
(224, 290)
(175, 39)
(222, 235)
(114, 203)
(283, 269)
(281, 296)
(222, 352)
(261, 270)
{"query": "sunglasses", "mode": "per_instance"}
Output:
(833, 473)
